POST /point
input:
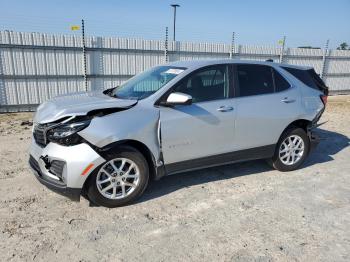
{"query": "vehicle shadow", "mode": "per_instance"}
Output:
(172, 183)
(331, 143)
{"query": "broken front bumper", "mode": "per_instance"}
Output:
(63, 169)
(71, 193)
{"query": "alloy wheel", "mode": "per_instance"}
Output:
(118, 178)
(291, 150)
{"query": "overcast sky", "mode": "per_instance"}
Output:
(255, 22)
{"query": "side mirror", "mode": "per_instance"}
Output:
(178, 98)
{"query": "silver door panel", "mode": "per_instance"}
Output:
(261, 119)
(197, 130)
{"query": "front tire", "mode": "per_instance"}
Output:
(120, 180)
(291, 151)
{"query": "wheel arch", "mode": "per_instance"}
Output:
(302, 123)
(298, 124)
(141, 147)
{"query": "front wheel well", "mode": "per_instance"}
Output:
(142, 148)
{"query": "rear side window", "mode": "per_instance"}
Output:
(280, 83)
(254, 80)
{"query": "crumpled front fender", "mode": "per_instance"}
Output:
(140, 123)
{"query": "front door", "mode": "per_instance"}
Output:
(206, 127)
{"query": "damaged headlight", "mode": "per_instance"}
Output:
(66, 134)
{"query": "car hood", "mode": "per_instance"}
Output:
(78, 104)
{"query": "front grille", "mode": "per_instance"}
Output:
(39, 135)
(56, 168)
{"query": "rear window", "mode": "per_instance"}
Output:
(308, 77)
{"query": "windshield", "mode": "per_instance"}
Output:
(147, 83)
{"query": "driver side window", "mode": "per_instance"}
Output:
(210, 83)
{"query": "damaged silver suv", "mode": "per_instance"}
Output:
(174, 118)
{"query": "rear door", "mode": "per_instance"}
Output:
(206, 127)
(266, 103)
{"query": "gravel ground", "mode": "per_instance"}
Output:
(236, 212)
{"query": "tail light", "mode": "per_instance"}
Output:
(324, 99)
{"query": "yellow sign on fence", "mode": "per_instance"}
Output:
(75, 27)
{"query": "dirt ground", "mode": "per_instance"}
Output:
(240, 212)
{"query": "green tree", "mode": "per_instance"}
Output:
(343, 46)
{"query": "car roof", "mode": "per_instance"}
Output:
(194, 64)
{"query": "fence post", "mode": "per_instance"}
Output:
(282, 49)
(232, 50)
(166, 45)
(3, 96)
(239, 51)
(324, 58)
(84, 54)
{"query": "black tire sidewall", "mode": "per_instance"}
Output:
(277, 163)
(126, 152)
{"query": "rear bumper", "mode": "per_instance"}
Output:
(71, 193)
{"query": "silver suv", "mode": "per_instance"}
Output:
(174, 118)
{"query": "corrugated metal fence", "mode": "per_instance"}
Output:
(35, 67)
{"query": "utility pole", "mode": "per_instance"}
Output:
(232, 50)
(166, 46)
(84, 54)
(175, 6)
(324, 58)
(282, 49)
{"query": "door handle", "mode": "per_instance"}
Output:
(288, 100)
(225, 108)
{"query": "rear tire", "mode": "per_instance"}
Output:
(120, 180)
(291, 150)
